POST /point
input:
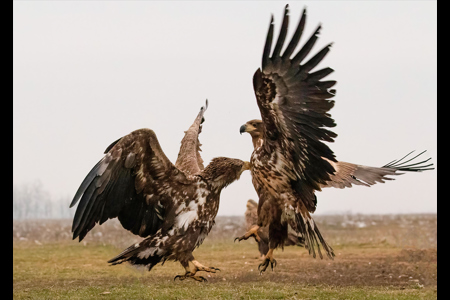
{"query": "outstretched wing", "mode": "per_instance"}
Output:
(348, 174)
(294, 105)
(131, 182)
(189, 159)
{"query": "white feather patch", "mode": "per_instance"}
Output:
(186, 218)
(147, 252)
(202, 194)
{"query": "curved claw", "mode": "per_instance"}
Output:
(263, 269)
(179, 276)
(263, 266)
(237, 239)
(182, 277)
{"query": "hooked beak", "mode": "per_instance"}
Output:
(247, 166)
(243, 129)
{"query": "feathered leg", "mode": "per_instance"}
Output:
(277, 235)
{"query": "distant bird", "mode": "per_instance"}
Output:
(172, 206)
(290, 162)
(262, 237)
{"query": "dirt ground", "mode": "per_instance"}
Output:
(390, 250)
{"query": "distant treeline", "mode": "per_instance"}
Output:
(32, 201)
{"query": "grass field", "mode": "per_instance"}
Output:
(377, 257)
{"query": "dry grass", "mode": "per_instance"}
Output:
(377, 257)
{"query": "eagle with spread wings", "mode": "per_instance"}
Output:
(349, 174)
(290, 160)
(172, 206)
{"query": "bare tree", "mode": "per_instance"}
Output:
(31, 200)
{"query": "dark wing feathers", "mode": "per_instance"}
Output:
(112, 145)
(294, 106)
(315, 60)
(304, 51)
(401, 165)
(317, 75)
(296, 37)
(281, 36)
(268, 45)
(126, 183)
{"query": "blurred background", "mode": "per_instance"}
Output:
(88, 72)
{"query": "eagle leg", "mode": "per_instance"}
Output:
(190, 275)
(199, 267)
(185, 265)
(252, 232)
(269, 259)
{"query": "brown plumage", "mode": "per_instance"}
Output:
(251, 219)
(172, 206)
(290, 161)
(348, 174)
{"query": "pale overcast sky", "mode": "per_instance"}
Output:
(88, 72)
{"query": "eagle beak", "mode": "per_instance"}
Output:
(243, 129)
(246, 166)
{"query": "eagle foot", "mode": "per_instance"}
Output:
(199, 267)
(190, 275)
(263, 266)
(253, 232)
(199, 278)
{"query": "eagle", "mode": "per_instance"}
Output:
(172, 207)
(346, 174)
(290, 160)
(251, 219)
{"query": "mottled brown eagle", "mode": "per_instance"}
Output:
(346, 174)
(172, 206)
(262, 234)
(290, 161)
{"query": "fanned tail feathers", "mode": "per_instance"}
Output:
(312, 236)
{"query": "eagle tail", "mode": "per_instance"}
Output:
(312, 236)
(294, 240)
(147, 253)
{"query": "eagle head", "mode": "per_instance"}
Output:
(222, 171)
(251, 204)
(254, 127)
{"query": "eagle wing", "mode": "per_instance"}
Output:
(348, 174)
(130, 182)
(189, 159)
(294, 105)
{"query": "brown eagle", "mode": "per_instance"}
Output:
(346, 174)
(290, 161)
(262, 234)
(172, 206)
